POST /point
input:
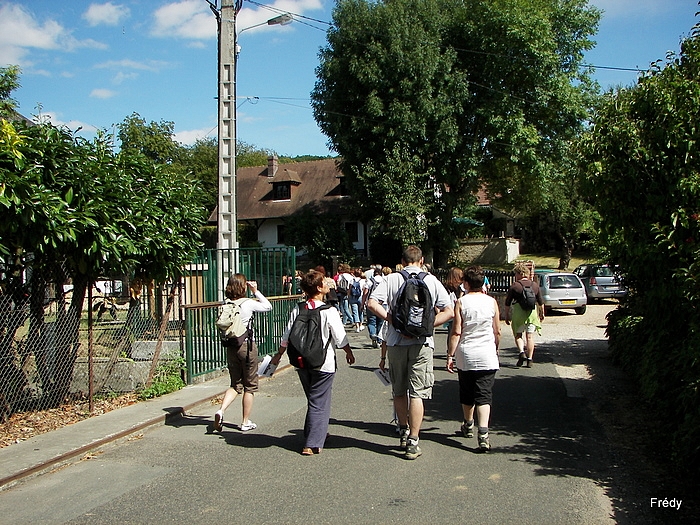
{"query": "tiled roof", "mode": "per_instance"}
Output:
(314, 185)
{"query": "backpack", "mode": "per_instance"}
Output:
(229, 321)
(527, 299)
(305, 342)
(413, 314)
(343, 284)
(355, 289)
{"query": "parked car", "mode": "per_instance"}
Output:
(561, 291)
(600, 282)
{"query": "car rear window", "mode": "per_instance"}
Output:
(603, 271)
(564, 281)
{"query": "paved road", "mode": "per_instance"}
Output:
(549, 462)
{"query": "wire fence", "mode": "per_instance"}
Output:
(58, 349)
(65, 343)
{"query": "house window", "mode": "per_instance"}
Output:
(343, 188)
(280, 234)
(282, 191)
(351, 230)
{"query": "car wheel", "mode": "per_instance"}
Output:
(580, 310)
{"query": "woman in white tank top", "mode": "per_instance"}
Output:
(473, 353)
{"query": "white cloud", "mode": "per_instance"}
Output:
(20, 32)
(186, 19)
(107, 14)
(189, 137)
(121, 77)
(150, 65)
(73, 125)
(102, 93)
(629, 8)
(192, 19)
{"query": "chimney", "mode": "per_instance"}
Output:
(272, 165)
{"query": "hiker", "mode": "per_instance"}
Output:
(343, 281)
(318, 382)
(355, 299)
(242, 355)
(410, 358)
(524, 318)
(472, 352)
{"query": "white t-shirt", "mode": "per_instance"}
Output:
(476, 349)
(387, 292)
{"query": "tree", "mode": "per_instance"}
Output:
(323, 235)
(458, 94)
(9, 81)
(641, 165)
(154, 140)
(82, 211)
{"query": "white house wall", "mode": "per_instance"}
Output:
(267, 235)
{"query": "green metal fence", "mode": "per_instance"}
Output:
(207, 275)
(203, 351)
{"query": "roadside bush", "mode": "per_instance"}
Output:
(646, 137)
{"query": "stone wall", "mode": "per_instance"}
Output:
(495, 252)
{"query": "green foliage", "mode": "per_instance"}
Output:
(9, 81)
(167, 379)
(154, 140)
(642, 164)
(322, 235)
(201, 161)
(457, 93)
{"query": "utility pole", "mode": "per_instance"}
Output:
(227, 223)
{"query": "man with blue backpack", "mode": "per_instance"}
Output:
(417, 303)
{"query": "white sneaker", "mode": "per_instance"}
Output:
(249, 425)
(218, 421)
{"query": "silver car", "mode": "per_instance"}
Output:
(562, 291)
(600, 282)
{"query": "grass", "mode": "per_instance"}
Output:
(543, 261)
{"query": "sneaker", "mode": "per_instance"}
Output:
(218, 422)
(467, 430)
(484, 444)
(521, 359)
(412, 449)
(529, 363)
(403, 438)
(248, 425)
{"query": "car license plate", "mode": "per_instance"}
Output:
(611, 288)
(568, 301)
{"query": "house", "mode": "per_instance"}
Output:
(267, 195)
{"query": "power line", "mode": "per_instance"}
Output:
(299, 18)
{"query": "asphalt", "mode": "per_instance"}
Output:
(51, 449)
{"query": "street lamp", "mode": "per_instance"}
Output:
(228, 52)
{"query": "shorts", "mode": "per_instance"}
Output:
(528, 328)
(411, 370)
(476, 386)
(243, 367)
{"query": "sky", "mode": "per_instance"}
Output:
(89, 65)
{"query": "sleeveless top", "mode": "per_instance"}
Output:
(476, 349)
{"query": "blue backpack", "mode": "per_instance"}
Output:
(355, 290)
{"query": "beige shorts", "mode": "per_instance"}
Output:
(411, 370)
